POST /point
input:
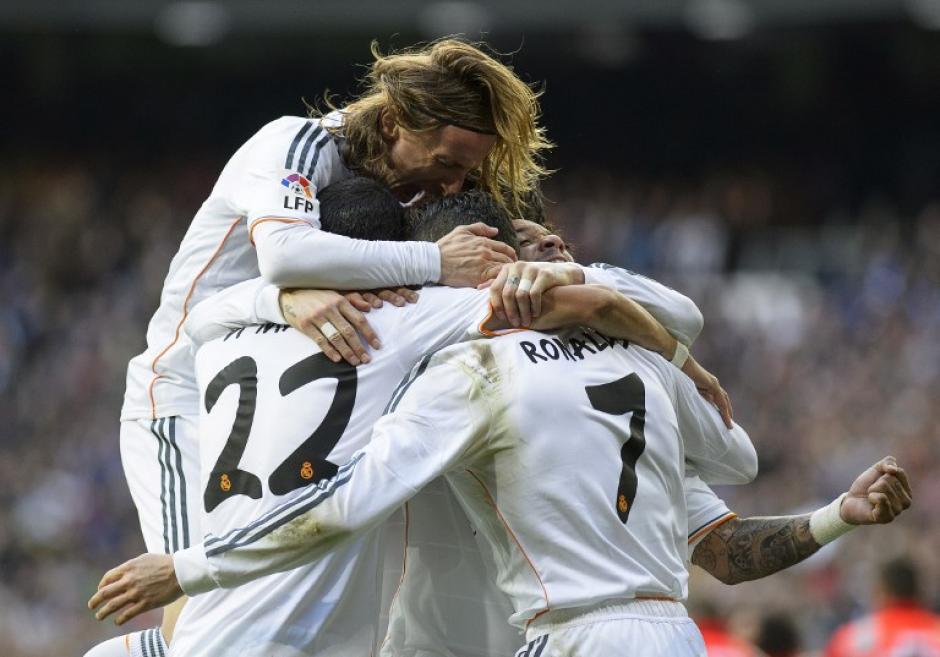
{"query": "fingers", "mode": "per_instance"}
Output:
(889, 465)
(500, 252)
(361, 326)
(314, 333)
(345, 339)
(105, 593)
(362, 301)
(111, 576)
(496, 293)
(132, 612)
(110, 599)
(542, 283)
(392, 297)
(482, 229)
(411, 296)
(509, 298)
(901, 474)
(723, 403)
(881, 509)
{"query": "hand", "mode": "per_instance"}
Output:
(309, 311)
(469, 257)
(710, 388)
(520, 306)
(878, 496)
(141, 584)
(369, 299)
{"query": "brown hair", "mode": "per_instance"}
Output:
(449, 82)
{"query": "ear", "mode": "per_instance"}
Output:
(388, 126)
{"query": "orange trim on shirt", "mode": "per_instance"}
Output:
(127, 643)
(283, 220)
(404, 569)
(176, 337)
(498, 332)
(711, 526)
(492, 503)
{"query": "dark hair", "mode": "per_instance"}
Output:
(431, 221)
(361, 208)
(899, 579)
(533, 205)
(779, 635)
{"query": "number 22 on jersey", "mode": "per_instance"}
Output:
(305, 465)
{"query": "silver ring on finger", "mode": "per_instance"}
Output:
(513, 281)
(329, 331)
(525, 285)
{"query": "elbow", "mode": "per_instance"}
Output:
(694, 321)
(274, 270)
(747, 464)
(602, 302)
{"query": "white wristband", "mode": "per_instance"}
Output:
(681, 355)
(826, 524)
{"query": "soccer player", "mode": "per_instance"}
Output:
(901, 624)
(566, 449)
(428, 118)
(317, 605)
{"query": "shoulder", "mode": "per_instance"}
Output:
(299, 144)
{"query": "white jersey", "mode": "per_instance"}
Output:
(565, 449)
(262, 217)
(705, 509)
(278, 416)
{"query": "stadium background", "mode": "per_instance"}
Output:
(776, 160)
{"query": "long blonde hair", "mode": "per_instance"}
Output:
(450, 82)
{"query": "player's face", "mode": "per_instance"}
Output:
(537, 244)
(435, 162)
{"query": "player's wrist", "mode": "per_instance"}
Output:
(434, 262)
(680, 355)
(826, 524)
(193, 573)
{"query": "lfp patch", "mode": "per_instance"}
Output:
(298, 185)
(300, 193)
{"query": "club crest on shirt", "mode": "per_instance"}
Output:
(300, 193)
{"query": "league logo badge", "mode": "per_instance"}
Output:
(300, 193)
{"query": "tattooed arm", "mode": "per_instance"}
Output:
(740, 550)
(743, 549)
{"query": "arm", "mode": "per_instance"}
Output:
(424, 436)
(606, 311)
(243, 304)
(720, 455)
(428, 433)
(675, 311)
(741, 550)
(298, 255)
(613, 314)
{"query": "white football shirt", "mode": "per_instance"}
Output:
(262, 217)
(567, 451)
(277, 417)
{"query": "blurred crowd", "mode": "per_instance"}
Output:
(825, 330)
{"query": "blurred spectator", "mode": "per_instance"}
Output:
(778, 636)
(719, 640)
(901, 625)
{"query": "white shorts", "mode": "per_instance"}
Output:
(161, 464)
(639, 628)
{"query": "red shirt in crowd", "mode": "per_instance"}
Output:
(720, 643)
(898, 630)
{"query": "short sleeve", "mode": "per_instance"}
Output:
(704, 508)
